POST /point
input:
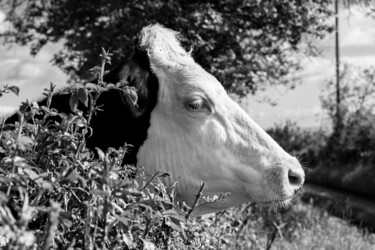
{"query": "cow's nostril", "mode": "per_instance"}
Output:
(295, 178)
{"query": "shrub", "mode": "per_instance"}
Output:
(56, 193)
(307, 145)
(353, 139)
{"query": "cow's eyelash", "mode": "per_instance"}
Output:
(195, 105)
(198, 105)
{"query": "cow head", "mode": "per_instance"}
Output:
(199, 134)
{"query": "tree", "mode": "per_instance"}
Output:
(355, 140)
(247, 45)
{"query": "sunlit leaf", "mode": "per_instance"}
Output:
(147, 245)
(131, 92)
(24, 142)
(100, 153)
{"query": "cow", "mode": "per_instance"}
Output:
(185, 124)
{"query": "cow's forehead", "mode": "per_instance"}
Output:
(170, 60)
(193, 79)
(163, 47)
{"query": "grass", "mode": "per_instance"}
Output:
(303, 226)
(327, 232)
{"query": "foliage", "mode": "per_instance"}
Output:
(248, 45)
(354, 140)
(319, 230)
(344, 156)
(307, 145)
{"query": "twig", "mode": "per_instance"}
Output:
(52, 228)
(149, 181)
(197, 198)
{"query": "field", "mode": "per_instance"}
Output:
(326, 232)
(303, 226)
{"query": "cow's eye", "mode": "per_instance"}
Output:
(195, 105)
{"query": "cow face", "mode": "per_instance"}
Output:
(199, 134)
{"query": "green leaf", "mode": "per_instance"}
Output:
(3, 198)
(83, 96)
(131, 92)
(44, 184)
(73, 101)
(147, 245)
(24, 142)
(92, 86)
(31, 173)
(100, 153)
(14, 89)
(165, 175)
(173, 214)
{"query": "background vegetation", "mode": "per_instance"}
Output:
(245, 44)
(344, 158)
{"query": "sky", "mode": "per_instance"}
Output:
(302, 104)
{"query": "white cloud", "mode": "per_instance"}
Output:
(30, 70)
(356, 29)
(316, 70)
(2, 16)
(361, 61)
(4, 26)
(31, 74)
(6, 110)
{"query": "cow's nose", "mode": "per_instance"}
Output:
(296, 177)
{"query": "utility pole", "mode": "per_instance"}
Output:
(338, 98)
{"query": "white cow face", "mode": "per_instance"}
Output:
(199, 134)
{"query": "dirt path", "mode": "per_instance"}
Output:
(349, 206)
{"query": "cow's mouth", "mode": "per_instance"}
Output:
(278, 203)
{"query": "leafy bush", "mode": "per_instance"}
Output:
(353, 137)
(307, 145)
(344, 155)
(353, 142)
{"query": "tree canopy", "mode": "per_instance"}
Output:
(247, 45)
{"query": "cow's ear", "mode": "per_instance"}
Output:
(136, 74)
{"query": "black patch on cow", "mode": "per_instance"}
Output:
(120, 121)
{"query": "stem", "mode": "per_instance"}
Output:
(153, 177)
(197, 198)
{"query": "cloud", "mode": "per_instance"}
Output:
(31, 74)
(361, 61)
(316, 70)
(4, 25)
(7, 110)
(356, 28)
